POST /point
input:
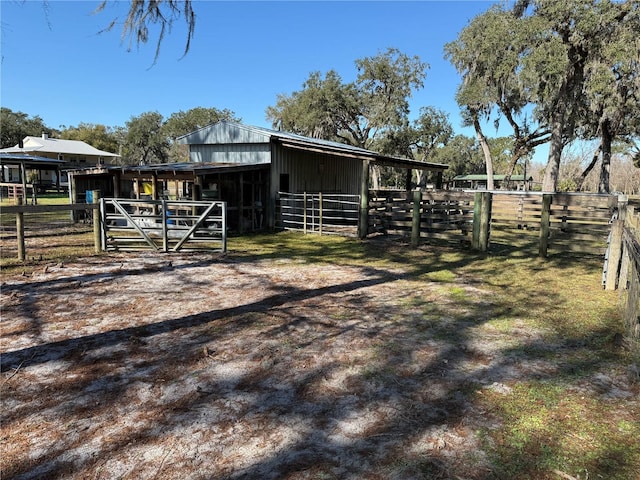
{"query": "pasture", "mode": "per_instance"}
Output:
(309, 357)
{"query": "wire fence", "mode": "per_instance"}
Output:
(39, 232)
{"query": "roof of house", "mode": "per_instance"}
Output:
(224, 132)
(45, 144)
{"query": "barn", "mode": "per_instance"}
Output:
(297, 164)
(250, 168)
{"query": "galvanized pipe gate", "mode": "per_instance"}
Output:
(162, 225)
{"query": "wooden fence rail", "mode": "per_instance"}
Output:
(622, 269)
(443, 215)
(566, 222)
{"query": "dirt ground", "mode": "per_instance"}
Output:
(213, 367)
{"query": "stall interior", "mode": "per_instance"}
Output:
(244, 191)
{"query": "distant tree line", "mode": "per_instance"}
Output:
(145, 139)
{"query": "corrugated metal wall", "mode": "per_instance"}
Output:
(223, 132)
(316, 172)
(231, 153)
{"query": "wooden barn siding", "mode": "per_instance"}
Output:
(337, 175)
(231, 153)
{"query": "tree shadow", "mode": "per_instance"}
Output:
(260, 390)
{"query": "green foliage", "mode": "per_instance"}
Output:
(98, 136)
(144, 143)
(14, 126)
(358, 113)
(181, 123)
(574, 63)
(463, 156)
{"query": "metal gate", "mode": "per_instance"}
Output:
(320, 212)
(163, 225)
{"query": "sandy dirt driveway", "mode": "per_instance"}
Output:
(155, 367)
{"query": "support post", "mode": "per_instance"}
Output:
(20, 232)
(623, 202)
(165, 227)
(23, 177)
(97, 224)
(415, 224)
(615, 253)
(545, 224)
(481, 221)
(154, 192)
(363, 217)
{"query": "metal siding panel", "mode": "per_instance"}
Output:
(221, 133)
(231, 153)
(339, 174)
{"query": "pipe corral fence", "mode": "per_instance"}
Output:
(162, 225)
(319, 212)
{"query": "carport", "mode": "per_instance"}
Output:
(22, 163)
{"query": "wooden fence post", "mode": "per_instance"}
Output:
(545, 224)
(615, 253)
(363, 217)
(627, 256)
(97, 224)
(623, 202)
(20, 232)
(625, 265)
(415, 224)
(165, 226)
(481, 221)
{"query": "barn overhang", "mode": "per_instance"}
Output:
(169, 171)
(358, 153)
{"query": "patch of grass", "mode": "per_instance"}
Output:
(43, 199)
(441, 276)
(546, 427)
(40, 252)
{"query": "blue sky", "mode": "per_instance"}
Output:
(56, 65)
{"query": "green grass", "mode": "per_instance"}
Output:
(549, 427)
(50, 237)
(542, 427)
(44, 199)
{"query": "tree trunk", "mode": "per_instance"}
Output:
(375, 177)
(485, 149)
(605, 169)
(583, 175)
(556, 144)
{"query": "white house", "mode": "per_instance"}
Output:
(74, 153)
